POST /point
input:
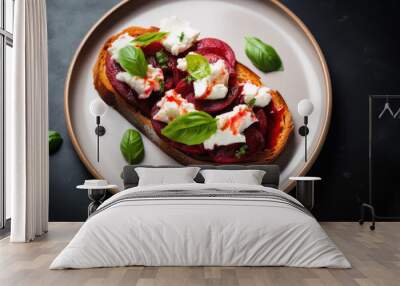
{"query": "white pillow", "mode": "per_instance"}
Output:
(164, 176)
(248, 177)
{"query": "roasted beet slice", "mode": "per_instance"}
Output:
(168, 82)
(218, 47)
(184, 88)
(262, 121)
(152, 49)
(112, 69)
(228, 154)
(173, 72)
(144, 105)
(172, 75)
(178, 75)
(225, 154)
(172, 62)
(215, 106)
(274, 118)
(152, 61)
(212, 58)
(194, 150)
(254, 140)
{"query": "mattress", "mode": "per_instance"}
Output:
(201, 225)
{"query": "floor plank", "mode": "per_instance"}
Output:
(375, 257)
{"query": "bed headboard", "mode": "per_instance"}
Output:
(271, 177)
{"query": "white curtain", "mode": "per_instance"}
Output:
(27, 124)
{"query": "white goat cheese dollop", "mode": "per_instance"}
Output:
(230, 127)
(171, 106)
(181, 36)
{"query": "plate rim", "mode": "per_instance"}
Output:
(326, 75)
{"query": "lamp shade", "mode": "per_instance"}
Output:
(305, 107)
(97, 107)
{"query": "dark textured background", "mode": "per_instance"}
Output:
(360, 40)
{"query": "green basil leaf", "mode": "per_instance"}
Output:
(252, 102)
(162, 86)
(262, 55)
(189, 79)
(131, 147)
(198, 66)
(191, 129)
(241, 151)
(132, 60)
(162, 59)
(55, 141)
(148, 38)
(181, 36)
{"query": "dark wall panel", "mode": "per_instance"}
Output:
(361, 45)
(68, 22)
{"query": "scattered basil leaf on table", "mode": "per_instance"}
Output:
(262, 55)
(55, 141)
(131, 147)
(198, 66)
(132, 60)
(191, 129)
(148, 38)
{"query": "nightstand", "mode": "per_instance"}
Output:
(97, 190)
(305, 190)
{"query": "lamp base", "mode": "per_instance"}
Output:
(100, 130)
(303, 130)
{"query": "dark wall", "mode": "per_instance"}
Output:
(68, 22)
(360, 40)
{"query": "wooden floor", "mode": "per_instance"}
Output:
(375, 257)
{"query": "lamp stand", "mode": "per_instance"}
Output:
(303, 131)
(96, 197)
(100, 131)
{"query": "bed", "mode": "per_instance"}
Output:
(201, 224)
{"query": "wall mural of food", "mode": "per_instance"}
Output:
(190, 95)
(224, 88)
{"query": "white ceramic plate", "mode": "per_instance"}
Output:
(305, 76)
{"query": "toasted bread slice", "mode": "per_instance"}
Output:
(245, 74)
(143, 124)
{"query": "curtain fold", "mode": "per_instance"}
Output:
(27, 119)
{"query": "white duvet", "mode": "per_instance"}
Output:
(183, 231)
